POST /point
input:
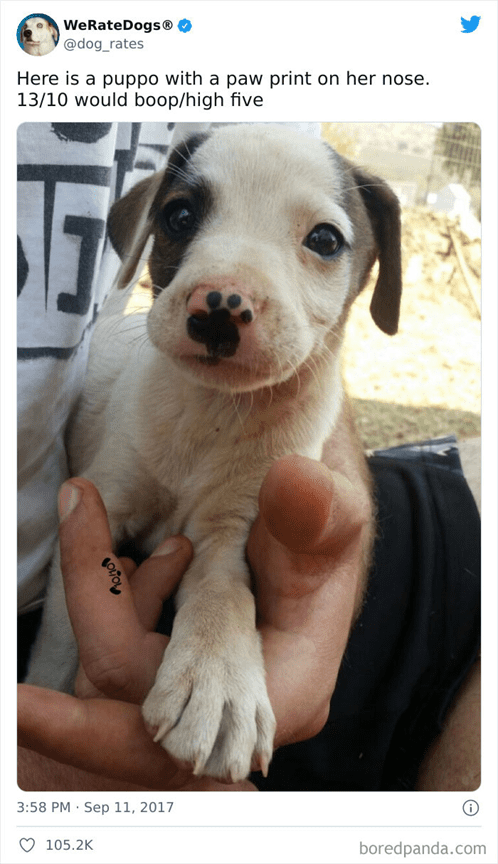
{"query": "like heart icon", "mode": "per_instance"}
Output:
(26, 843)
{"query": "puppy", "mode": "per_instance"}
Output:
(260, 241)
(38, 36)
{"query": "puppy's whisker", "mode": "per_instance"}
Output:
(176, 171)
(312, 366)
(364, 186)
(137, 258)
(297, 370)
(235, 404)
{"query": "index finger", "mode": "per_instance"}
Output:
(112, 616)
(99, 598)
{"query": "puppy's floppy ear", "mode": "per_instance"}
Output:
(384, 214)
(129, 225)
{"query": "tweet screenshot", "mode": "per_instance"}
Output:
(256, 319)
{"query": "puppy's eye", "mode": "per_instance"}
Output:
(179, 219)
(325, 240)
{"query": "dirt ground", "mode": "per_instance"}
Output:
(425, 381)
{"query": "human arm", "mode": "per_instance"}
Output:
(453, 762)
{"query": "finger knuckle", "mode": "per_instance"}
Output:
(109, 674)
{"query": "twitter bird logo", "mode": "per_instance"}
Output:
(470, 26)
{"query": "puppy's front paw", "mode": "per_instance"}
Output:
(213, 712)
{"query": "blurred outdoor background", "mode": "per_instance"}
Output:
(425, 381)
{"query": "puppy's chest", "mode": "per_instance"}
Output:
(178, 445)
(187, 444)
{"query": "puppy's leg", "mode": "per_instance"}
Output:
(209, 705)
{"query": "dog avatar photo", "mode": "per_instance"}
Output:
(38, 35)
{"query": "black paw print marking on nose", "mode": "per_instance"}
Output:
(216, 329)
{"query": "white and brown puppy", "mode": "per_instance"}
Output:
(261, 239)
(38, 36)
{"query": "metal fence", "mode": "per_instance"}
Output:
(438, 165)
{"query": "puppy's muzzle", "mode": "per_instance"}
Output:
(215, 318)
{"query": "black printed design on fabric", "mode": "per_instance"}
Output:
(50, 176)
(22, 267)
(87, 133)
(90, 230)
(416, 639)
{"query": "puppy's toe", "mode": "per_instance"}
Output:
(212, 717)
(244, 742)
(191, 738)
(163, 708)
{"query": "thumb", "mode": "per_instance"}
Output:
(309, 509)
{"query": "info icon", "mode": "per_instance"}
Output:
(470, 808)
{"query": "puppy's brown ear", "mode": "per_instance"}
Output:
(384, 213)
(129, 225)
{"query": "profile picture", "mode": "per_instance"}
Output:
(37, 35)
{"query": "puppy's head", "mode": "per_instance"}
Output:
(262, 238)
(38, 35)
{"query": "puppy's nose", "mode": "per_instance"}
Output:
(215, 318)
(27, 33)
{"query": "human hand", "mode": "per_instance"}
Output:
(119, 653)
(309, 550)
